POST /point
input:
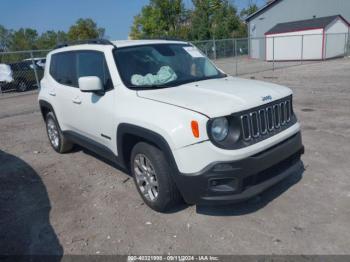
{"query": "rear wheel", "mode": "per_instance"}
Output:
(153, 177)
(57, 140)
(22, 86)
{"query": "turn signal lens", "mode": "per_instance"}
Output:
(195, 128)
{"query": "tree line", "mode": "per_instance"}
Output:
(207, 19)
(30, 39)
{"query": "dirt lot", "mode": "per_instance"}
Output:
(78, 204)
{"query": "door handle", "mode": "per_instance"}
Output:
(52, 93)
(76, 100)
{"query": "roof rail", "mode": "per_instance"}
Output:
(169, 38)
(98, 41)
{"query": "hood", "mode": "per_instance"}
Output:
(218, 97)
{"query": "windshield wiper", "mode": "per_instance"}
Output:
(212, 77)
(198, 79)
(145, 87)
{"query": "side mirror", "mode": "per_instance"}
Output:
(90, 84)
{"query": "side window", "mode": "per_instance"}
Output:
(63, 68)
(53, 66)
(91, 63)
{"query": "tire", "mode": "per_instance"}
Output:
(56, 138)
(167, 195)
(22, 86)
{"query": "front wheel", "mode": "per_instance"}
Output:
(153, 177)
(57, 140)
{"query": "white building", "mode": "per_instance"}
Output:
(312, 39)
(283, 11)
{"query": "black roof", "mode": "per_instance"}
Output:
(97, 41)
(314, 23)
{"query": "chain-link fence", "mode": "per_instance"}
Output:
(21, 70)
(251, 55)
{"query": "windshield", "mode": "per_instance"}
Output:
(163, 65)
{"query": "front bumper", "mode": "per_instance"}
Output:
(229, 182)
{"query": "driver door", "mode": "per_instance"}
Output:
(97, 110)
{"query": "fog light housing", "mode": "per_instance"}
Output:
(223, 184)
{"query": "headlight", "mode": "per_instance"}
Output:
(219, 129)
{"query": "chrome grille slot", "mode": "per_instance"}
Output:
(283, 113)
(288, 110)
(265, 120)
(276, 116)
(245, 121)
(254, 124)
(269, 113)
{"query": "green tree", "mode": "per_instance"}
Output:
(250, 9)
(161, 18)
(214, 19)
(47, 40)
(85, 29)
(5, 38)
(50, 39)
(201, 20)
(23, 39)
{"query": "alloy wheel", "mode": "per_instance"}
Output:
(22, 86)
(146, 177)
(52, 131)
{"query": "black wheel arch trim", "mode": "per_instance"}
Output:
(45, 104)
(146, 134)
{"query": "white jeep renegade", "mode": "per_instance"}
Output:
(163, 111)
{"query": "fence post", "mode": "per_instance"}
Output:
(325, 47)
(348, 45)
(224, 44)
(236, 57)
(273, 53)
(345, 44)
(0, 82)
(214, 47)
(233, 47)
(34, 68)
(302, 49)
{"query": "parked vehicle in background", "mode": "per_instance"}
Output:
(162, 110)
(5, 76)
(39, 61)
(23, 76)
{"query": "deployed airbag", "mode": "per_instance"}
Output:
(164, 75)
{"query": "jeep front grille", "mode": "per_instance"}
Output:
(265, 120)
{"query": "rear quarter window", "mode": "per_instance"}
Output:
(63, 68)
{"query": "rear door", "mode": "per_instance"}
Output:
(66, 92)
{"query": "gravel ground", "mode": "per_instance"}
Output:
(78, 204)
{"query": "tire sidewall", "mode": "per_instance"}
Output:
(163, 173)
(52, 117)
(25, 85)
